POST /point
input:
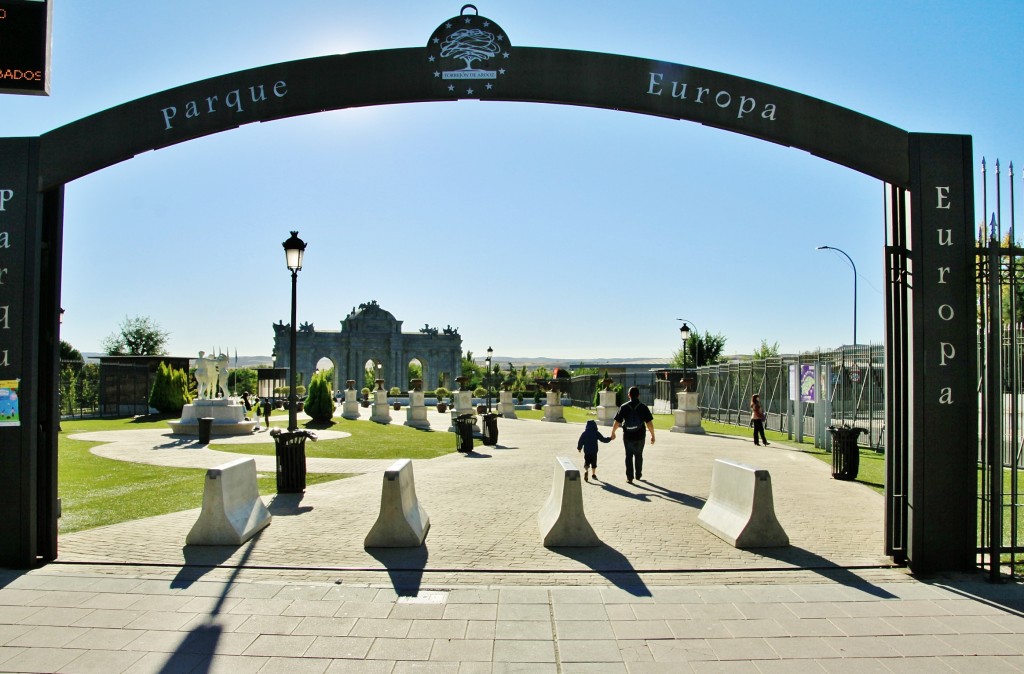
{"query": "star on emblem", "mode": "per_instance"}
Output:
(451, 87)
(505, 55)
(470, 91)
(501, 71)
(448, 25)
(431, 58)
(489, 85)
(437, 40)
(437, 73)
(469, 20)
(487, 24)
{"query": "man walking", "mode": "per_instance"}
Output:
(632, 418)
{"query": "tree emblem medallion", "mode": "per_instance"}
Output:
(468, 55)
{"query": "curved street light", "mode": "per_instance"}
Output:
(684, 333)
(850, 260)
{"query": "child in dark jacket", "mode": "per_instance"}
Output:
(588, 445)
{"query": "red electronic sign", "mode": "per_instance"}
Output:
(25, 47)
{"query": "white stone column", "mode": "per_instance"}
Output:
(553, 410)
(350, 408)
(506, 405)
(687, 416)
(416, 413)
(381, 410)
(607, 409)
(464, 405)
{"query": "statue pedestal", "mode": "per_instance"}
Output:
(416, 412)
(607, 409)
(464, 405)
(381, 410)
(553, 410)
(506, 408)
(228, 418)
(687, 416)
(350, 408)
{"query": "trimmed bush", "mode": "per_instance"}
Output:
(170, 390)
(320, 403)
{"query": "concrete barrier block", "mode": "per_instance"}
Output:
(233, 511)
(740, 509)
(562, 521)
(402, 522)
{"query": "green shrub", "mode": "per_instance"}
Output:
(170, 390)
(320, 403)
(479, 392)
(394, 391)
(442, 393)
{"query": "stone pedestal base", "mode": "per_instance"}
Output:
(606, 409)
(416, 412)
(553, 410)
(381, 410)
(506, 408)
(350, 408)
(463, 406)
(228, 418)
(687, 416)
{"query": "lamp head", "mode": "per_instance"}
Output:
(684, 332)
(294, 248)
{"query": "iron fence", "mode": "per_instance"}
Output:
(855, 390)
(1000, 294)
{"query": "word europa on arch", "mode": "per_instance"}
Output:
(723, 99)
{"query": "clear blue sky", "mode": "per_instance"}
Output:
(599, 228)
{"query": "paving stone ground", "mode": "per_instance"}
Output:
(483, 595)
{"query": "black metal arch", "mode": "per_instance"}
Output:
(535, 74)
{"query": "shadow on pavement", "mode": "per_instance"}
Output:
(405, 567)
(610, 564)
(284, 505)
(670, 495)
(619, 491)
(195, 652)
(810, 561)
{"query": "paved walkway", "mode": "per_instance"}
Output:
(661, 594)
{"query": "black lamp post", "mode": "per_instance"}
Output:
(684, 333)
(294, 248)
(487, 377)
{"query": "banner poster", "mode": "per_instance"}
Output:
(9, 410)
(807, 383)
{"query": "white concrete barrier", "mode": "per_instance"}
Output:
(740, 509)
(402, 522)
(562, 520)
(233, 511)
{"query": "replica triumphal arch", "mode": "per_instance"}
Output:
(931, 417)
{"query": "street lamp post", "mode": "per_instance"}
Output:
(684, 333)
(487, 377)
(294, 249)
(850, 260)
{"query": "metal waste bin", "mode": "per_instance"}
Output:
(205, 429)
(464, 433)
(290, 451)
(490, 432)
(845, 453)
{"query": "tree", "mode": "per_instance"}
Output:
(170, 390)
(243, 379)
(699, 351)
(69, 353)
(766, 350)
(138, 336)
(320, 402)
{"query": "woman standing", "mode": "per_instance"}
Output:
(757, 417)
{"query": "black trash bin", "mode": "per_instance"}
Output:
(205, 429)
(845, 453)
(290, 450)
(464, 433)
(490, 434)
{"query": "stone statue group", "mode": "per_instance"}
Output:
(211, 375)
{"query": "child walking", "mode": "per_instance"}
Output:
(588, 445)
